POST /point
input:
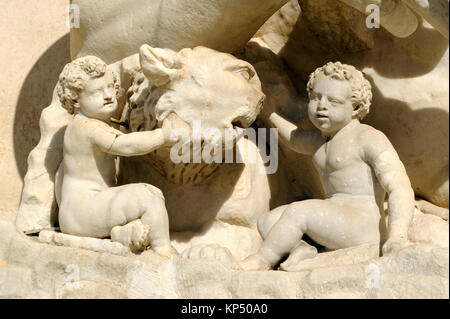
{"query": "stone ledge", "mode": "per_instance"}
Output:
(31, 269)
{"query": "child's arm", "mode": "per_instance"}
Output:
(112, 141)
(304, 142)
(137, 143)
(392, 176)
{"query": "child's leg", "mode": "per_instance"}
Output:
(123, 205)
(301, 252)
(282, 229)
(267, 220)
(332, 223)
(156, 217)
(134, 235)
(286, 233)
(154, 221)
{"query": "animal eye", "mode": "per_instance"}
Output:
(247, 73)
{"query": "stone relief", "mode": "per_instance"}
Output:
(397, 68)
(89, 204)
(222, 197)
(103, 177)
(357, 165)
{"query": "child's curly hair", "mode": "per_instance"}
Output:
(75, 74)
(361, 88)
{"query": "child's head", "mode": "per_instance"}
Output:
(89, 86)
(338, 93)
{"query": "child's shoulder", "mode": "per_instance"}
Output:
(84, 127)
(88, 124)
(95, 131)
(367, 133)
(372, 140)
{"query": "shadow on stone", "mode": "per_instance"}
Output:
(35, 95)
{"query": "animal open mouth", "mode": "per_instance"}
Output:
(239, 123)
(245, 119)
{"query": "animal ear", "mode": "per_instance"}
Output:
(158, 65)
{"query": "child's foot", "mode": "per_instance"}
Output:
(254, 262)
(166, 251)
(134, 235)
(301, 252)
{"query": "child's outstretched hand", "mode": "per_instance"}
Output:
(174, 129)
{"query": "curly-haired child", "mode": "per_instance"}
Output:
(90, 204)
(357, 166)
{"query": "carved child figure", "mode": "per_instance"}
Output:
(89, 204)
(357, 166)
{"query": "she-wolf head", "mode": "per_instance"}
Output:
(200, 84)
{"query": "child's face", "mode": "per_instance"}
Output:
(98, 98)
(330, 107)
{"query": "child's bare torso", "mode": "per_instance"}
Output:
(86, 166)
(342, 167)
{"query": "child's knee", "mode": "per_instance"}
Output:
(118, 217)
(267, 220)
(263, 225)
(295, 216)
(291, 212)
(144, 192)
(154, 191)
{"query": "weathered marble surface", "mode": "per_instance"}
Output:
(224, 25)
(113, 30)
(358, 167)
(204, 208)
(31, 269)
(409, 78)
(35, 47)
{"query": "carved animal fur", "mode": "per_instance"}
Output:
(206, 202)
